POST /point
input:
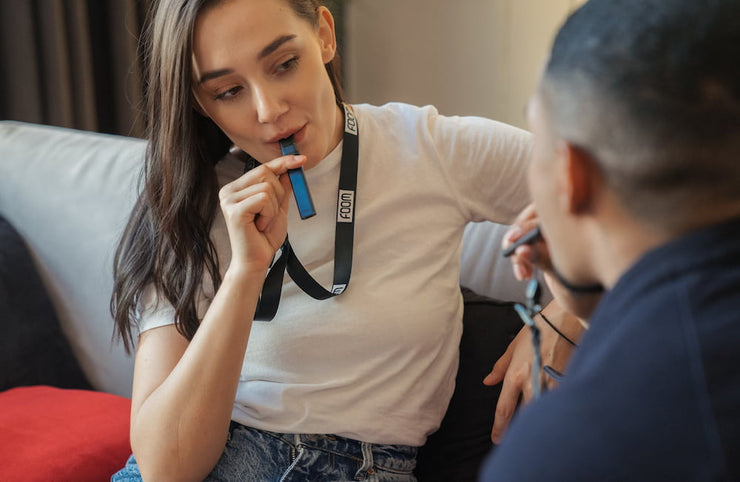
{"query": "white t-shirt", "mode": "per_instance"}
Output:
(378, 362)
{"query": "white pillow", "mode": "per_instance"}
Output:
(69, 194)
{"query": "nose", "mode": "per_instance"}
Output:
(269, 103)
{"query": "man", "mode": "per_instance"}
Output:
(635, 178)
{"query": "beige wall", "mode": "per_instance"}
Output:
(475, 57)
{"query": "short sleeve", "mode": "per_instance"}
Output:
(486, 164)
(153, 311)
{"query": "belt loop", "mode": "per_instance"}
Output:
(367, 461)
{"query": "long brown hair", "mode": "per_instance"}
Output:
(167, 241)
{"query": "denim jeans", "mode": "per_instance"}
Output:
(260, 456)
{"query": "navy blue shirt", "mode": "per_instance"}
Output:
(653, 391)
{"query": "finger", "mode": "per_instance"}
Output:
(530, 256)
(281, 165)
(525, 221)
(499, 369)
(248, 185)
(527, 218)
(261, 205)
(506, 406)
(527, 389)
(267, 171)
(511, 235)
(522, 262)
(233, 204)
(264, 223)
(285, 200)
(517, 231)
(272, 187)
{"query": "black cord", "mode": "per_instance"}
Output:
(557, 330)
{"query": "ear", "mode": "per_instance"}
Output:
(580, 178)
(327, 36)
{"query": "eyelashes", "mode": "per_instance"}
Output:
(228, 94)
(288, 65)
(282, 69)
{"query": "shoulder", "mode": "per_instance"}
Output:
(426, 123)
(584, 432)
(393, 114)
(399, 112)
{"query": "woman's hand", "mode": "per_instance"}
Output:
(514, 367)
(184, 391)
(255, 207)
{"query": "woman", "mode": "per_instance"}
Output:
(217, 395)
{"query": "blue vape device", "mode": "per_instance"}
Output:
(298, 181)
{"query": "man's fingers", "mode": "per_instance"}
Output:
(522, 262)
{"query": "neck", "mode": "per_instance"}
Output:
(627, 238)
(338, 127)
(337, 135)
(624, 244)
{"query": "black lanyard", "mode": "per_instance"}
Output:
(343, 238)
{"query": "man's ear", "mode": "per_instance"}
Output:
(580, 178)
(327, 35)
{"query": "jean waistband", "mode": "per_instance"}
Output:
(393, 457)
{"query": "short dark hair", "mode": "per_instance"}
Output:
(651, 89)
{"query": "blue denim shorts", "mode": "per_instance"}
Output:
(260, 456)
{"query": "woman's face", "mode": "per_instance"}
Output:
(258, 73)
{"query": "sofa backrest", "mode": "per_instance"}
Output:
(69, 194)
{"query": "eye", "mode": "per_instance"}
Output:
(288, 65)
(228, 94)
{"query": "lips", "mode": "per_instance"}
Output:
(297, 134)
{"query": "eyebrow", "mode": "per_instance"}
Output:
(213, 74)
(272, 47)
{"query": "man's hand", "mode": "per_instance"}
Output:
(514, 368)
(529, 257)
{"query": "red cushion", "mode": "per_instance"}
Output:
(50, 433)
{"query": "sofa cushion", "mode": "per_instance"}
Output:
(61, 434)
(33, 349)
(457, 449)
(69, 193)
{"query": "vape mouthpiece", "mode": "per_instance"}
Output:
(298, 181)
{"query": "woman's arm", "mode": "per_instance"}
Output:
(184, 392)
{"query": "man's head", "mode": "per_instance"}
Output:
(638, 112)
